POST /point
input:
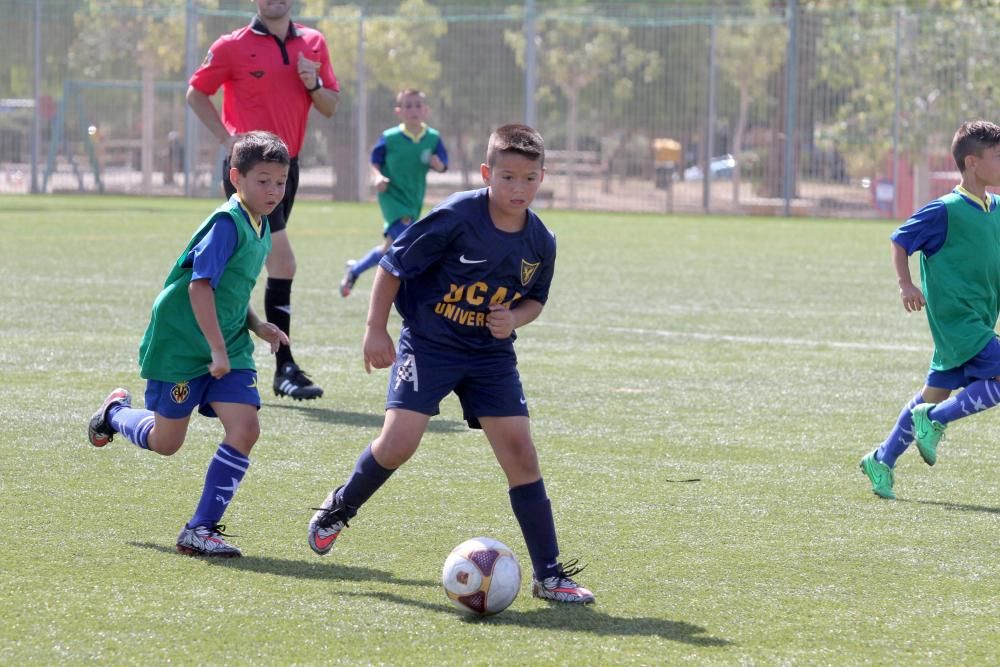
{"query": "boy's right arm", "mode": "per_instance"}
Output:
(378, 349)
(203, 304)
(910, 294)
(379, 180)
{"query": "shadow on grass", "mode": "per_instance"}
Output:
(954, 506)
(364, 419)
(556, 616)
(325, 571)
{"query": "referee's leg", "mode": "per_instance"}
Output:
(289, 380)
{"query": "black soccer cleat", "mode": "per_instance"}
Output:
(292, 382)
(99, 431)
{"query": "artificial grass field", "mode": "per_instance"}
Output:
(702, 390)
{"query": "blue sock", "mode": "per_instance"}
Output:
(978, 396)
(225, 472)
(368, 476)
(901, 435)
(135, 424)
(368, 261)
(534, 512)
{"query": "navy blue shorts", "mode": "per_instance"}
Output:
(179, 399)
(395, 229)
(487, 384)
(983, 366)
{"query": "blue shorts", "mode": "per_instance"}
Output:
(395, 229)
(179, 399)
(983, 366)
(487, 384)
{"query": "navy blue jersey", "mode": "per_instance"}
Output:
(454, 263)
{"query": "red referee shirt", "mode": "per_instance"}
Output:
(260, 81)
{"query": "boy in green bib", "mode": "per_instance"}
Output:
(197, 351)
(399, 165)
(958, 237)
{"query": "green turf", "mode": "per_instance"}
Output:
(702, 390)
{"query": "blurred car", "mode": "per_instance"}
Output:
(721, 167)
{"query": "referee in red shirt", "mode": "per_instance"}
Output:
(270, 72)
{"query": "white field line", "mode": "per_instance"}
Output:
(748, 340)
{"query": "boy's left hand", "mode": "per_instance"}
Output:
(272, 334)
(436, 164)
(500, 321)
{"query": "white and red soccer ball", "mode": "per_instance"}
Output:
(481, 576)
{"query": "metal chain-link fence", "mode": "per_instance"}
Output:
(644, 106)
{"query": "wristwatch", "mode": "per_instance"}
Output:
(319, 84)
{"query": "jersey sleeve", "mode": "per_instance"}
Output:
(540, 290)
(441, 152)
(325, 71)
(925, 231)
(378, 153)
(421, 245)
(209, 257)
(215, 70)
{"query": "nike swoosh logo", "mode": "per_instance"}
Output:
(524, 401)
(324, 542)
(464, 260)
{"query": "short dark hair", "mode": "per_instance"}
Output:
(972, 138)
(515, 138)
(253, 148)
(406, 92)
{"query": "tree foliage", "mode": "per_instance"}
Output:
(574, 53)
(400, 47)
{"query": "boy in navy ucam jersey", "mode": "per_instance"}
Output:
(464, 278)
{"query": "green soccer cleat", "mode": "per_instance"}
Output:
(880, 475)
(927, 433)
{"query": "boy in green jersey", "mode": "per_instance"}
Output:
(958, 237)
(197, 351)
(399, 165)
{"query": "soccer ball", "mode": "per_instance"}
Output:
(481, 576)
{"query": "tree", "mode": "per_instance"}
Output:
(111, 39)
(573, 53)
(749, 54)
(399, 52)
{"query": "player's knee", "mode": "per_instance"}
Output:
(392, 451)
(167, 445)
(524, 458)
(244, 436)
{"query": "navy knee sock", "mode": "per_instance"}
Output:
(134, 423)
(368, 261)
(368, 476)
(223, 477)
(534, 513)
(978, 396)
(901, 435)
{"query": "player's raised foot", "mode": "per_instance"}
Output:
(206, 541)
(292, 382)
(927, 433)
(880, 475)
(99, 431)
(325, 526)
(347, 282)
(561, 587)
